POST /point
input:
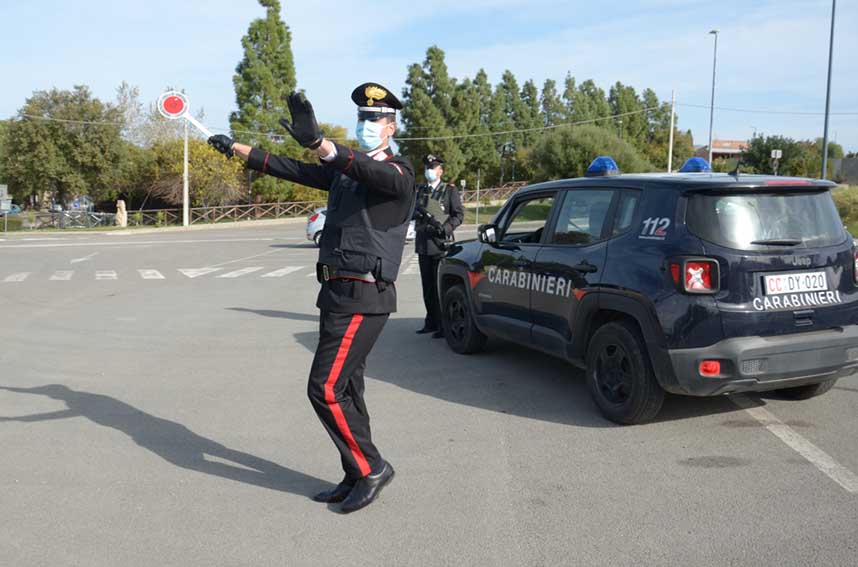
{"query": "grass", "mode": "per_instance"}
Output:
(486, 213)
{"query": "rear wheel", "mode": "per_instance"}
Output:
(317, 238)
(620, 376)
(808, 391)
(457, 319)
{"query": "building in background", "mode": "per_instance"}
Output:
(723, 149)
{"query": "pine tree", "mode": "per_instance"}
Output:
(530, 116)
(263, 79)
(630, 119)
(553, 112)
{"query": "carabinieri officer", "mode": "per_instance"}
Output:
(440, 212)
(370, 203)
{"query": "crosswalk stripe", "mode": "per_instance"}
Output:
(106, 275)
(282, 272)
(151, 274)
(19, 277)
(241, 272)
(62, 276)
(196, 272)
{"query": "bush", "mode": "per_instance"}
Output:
(846, 200)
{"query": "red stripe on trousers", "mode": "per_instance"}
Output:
(331, 399)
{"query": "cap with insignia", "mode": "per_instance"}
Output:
(432, 160)
(375, 101)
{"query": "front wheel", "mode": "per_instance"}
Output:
(457, 319)
(620, 377)
(808, 391)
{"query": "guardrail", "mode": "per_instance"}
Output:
(491, 194)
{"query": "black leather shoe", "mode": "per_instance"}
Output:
(367, 489)
(337, 493)
(438, 334)
(426, 330)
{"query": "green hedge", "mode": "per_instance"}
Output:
(14, 222)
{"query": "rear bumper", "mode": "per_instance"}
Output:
(753, 364)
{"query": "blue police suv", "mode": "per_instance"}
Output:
(693, 283)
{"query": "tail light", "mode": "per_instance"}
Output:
(699, 275)
(710, 368)
(313, 218)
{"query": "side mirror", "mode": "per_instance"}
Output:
(488, 233)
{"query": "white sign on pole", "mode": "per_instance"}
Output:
(777, 154)
(5, 205)
(4, 191)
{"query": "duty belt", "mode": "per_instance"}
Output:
(327, 273)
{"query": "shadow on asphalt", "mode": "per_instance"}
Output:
(303, 245)
(504, 378)
(171, 441)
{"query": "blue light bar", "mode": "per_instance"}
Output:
(602, 166)
(695, 165)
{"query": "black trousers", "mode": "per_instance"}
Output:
(429, 280)
(336, 386)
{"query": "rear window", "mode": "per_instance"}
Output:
(754, 221)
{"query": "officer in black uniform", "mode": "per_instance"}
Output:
(439, 211)
(370, 204)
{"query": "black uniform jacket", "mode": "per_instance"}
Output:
(391, 192)
(426, 240)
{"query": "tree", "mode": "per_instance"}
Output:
(263, 79)
(566, 152)
(67, 143)
(591, 104)
(553, 111)
(213, 180)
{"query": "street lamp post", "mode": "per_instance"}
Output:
(828, 96)
(712, 100)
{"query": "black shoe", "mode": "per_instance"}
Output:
(438, 334)
(337, 493)
(367, 489)
(426, 330)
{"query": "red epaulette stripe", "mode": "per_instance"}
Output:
(265, 163)
(351, 160)
(399, 169)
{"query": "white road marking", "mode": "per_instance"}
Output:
(196, 272)
(19, 277)
(817, 457)
(151, 274)
(241, 272)
(413, 266)
(106, 275)
(245, 258)
(311, 274)
(62, 276)
(84, 259)
(132, 243)
(283, 272)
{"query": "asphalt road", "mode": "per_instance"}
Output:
(153, 412)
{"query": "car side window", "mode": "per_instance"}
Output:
(527, 220)
(582, 217)
(625, 212)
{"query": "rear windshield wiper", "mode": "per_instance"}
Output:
(777, 242)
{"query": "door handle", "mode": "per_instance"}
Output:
(585, 268)
(522, 263)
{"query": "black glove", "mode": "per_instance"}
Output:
(304, 127)
(223, 144)
(441, 231)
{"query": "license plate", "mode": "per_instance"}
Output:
(795, 283)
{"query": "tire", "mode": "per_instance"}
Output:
(808, 391)
(620, 377)
(457, 319)
(317, 239)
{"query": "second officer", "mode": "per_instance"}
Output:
(438, 213)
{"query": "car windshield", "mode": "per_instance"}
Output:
(752, 221)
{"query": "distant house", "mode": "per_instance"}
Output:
(723, 149)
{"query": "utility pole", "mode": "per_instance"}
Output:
(478, 195)
(824, 173)
(670, 143)
(712, 100)
(185, 210)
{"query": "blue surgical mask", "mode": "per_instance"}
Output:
(431, 176)
(369, 134)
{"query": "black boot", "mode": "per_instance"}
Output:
(367, 489)
(337, 493)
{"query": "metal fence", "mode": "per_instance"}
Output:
(492, 194)
(228, 213)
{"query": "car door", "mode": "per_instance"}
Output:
(572, 260)
(503, 294)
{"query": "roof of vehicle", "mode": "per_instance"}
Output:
(685, 181)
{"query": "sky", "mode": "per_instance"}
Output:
(772, 54)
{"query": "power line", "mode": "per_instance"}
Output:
(763, 111)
